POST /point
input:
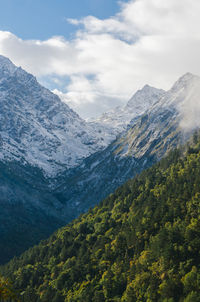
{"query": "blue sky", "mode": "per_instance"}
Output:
(42, 19)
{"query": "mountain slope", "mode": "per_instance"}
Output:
(40, 133)
(37, 128)
(119, 118)
(148, 138)
(140, 244)
(40, 138)
(28, 210)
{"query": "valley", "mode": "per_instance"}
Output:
(55, 166)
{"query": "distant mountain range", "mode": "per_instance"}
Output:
(54, 165)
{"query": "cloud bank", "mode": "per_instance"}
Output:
(148, 41)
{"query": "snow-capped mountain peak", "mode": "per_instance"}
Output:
(144, 98)
(185, 81)
(182, 93)
(119, 118)
(37, 127)
(6, 66)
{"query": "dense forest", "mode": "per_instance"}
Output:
(6, 291)
(142, 243)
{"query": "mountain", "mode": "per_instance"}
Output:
(37, 128)
(140, 244)
(54, 165)
(148, 138)
(41, 140)
(119, 118)
(39, 137)
(29, 212)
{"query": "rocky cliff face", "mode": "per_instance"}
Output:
(39, 129)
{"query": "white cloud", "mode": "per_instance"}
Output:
(84, 97)
(148, 41)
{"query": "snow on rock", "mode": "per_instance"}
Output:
(183, 95)
(117, 120)
(37, 127)
(172, 118)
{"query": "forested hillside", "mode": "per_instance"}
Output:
(28, 209)
(142, 243)
(6, 291)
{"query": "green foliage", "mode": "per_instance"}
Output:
(142, 243)
(6, 291)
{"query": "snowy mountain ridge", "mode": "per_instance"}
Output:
(119, 118)
(178, 110)
(38, 128)
(150, 137)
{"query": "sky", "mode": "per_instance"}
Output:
(42, 19)
(95, 54)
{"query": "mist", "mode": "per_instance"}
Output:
(190, 107)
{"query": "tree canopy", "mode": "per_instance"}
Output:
(142, 243)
